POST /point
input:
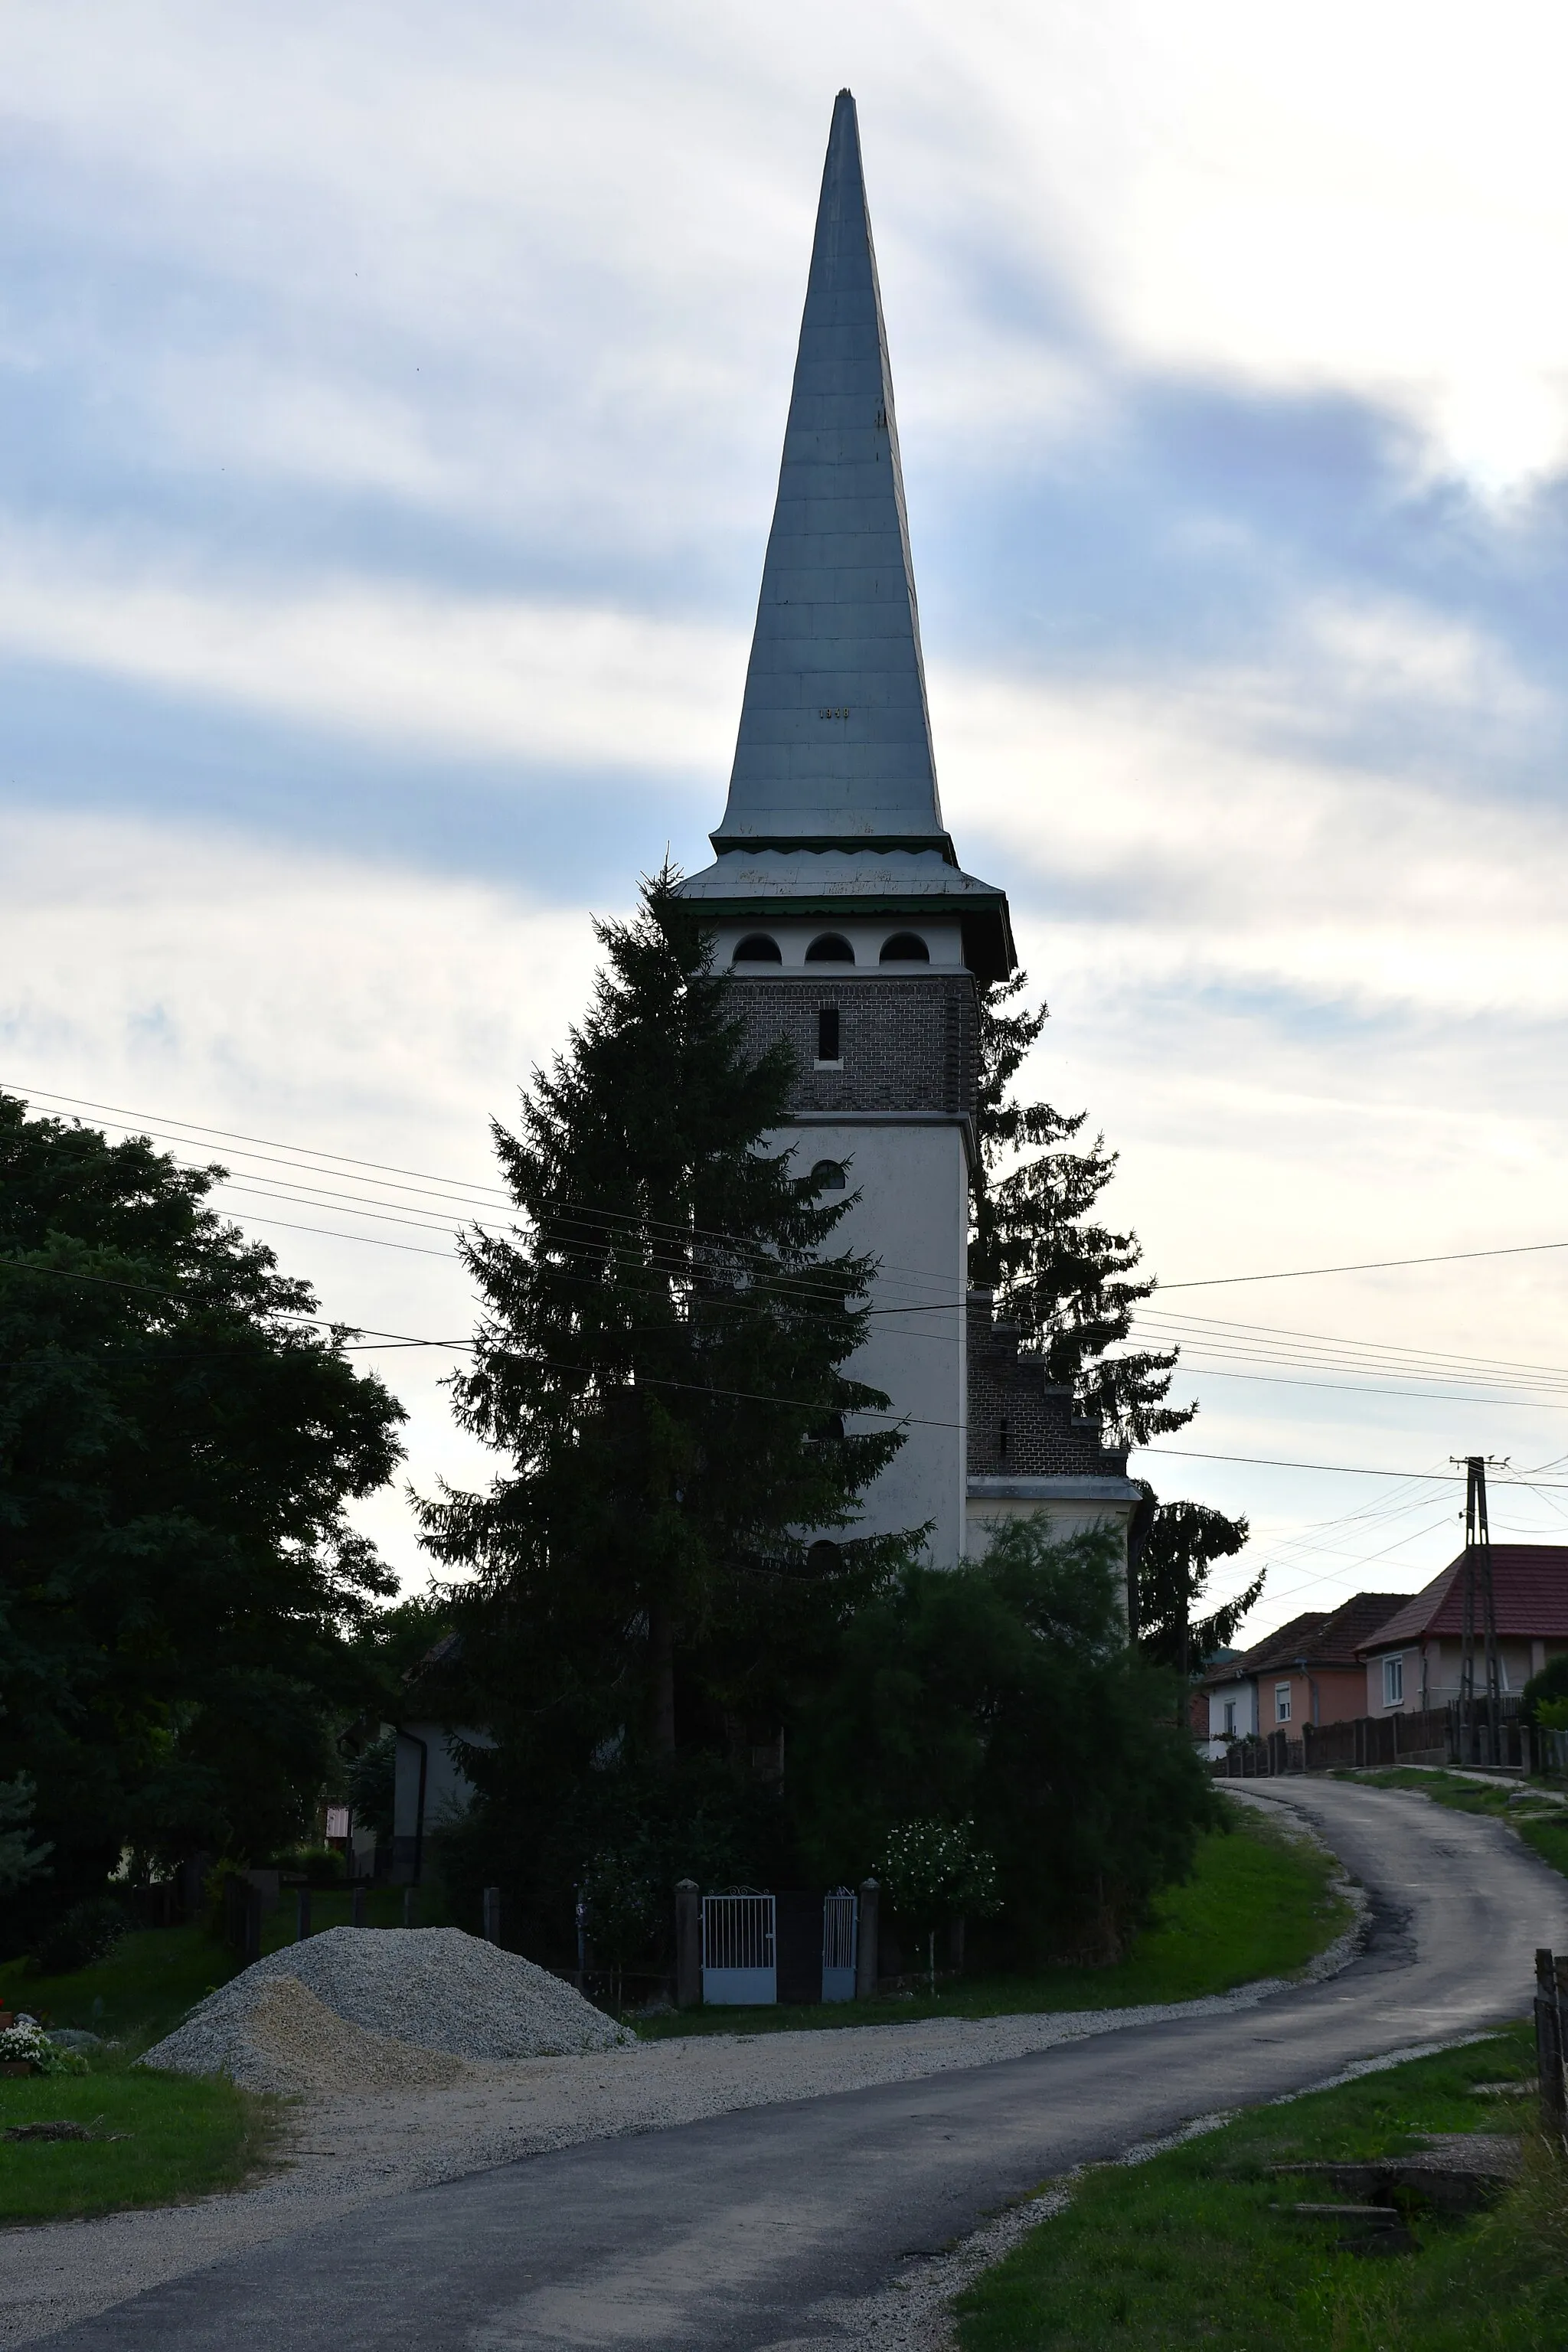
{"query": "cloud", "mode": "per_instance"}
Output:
(389, 660)
(392, 407)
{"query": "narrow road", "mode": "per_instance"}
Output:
(745, 2231)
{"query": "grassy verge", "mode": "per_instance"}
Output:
(1541, 1823)
(1259, 1904)
(151, 1978)
(140, 1992)
(158, 2139)
(1188, 2251)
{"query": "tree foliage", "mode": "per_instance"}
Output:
(660, 1364)
(1183, 1541)
(1004, 1693)
(1071, 1283)
(179, 1586)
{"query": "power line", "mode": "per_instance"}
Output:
(521, 1355)
(1346, 1469)
(460, 1184)
(1365, 1266)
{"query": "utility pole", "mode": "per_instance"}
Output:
(1478, 1587)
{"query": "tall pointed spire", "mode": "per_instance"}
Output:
(834, 742)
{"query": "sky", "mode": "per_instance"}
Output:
(392, 404)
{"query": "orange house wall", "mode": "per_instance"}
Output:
(1341, 1697)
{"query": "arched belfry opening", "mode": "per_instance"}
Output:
(854, 935)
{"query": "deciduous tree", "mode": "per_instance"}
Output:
(179, 1584)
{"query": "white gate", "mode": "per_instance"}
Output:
(740, 1963)
(840, 1932)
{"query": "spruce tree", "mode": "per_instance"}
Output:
(1172, 1571)
(660, 1359)
(1070, 1283)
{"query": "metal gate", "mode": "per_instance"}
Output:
(739, 1949)
(840, 1937)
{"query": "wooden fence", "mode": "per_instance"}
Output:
(1431, 1735)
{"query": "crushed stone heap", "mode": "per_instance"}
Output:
(380, 2000)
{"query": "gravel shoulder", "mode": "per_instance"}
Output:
(350, 2148)
(347, 2147)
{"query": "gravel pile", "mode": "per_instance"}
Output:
(407, 1990)
(290, 2041)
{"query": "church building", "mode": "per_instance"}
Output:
(853, 932)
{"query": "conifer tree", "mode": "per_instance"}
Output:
(1071, 1283)
(660, 1359)
(1183, 1540)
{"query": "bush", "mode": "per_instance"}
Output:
(25, 2043)
(544, 1840)
(1551, 1683)
(88, 1931)
(932, 1872)
(1004, 1693)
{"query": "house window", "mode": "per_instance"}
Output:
(828, 1034)
(1281, 1702)
(1230, 1718)
(1393, 1682)
(829, 1176)
(757, 947)
(830, 947)
(904, 947)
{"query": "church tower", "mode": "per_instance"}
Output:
(839, 904)
(836, 894)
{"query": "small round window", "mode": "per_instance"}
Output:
(828, 1176)
(757, 947)
(905, 946)
(831, 948)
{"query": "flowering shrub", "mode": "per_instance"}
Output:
(27, 2042)
(933, 1870)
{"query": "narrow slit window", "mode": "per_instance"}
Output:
(828, 1034)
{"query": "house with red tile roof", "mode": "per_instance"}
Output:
(1414, 1660)
(1310, 1671)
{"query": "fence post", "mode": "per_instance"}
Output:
(1549, 1987)
(492, 1914)
(868, 1959)
(687, 1943)
(303, 1915)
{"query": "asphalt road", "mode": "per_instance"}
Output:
(742, 2231)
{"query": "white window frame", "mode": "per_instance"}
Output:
(1281, 1703)
(1394, 1680)
(1229, 1711)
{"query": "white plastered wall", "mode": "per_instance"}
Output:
(913, 1215)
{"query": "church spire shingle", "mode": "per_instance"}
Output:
(833, 806)
(834, 740)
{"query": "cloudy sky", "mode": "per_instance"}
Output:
(392, 399)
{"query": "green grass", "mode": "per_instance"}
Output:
(139, 1993)
(183, 2137)
(147, 1984)
(1186, 2251)
(178, 2137)
(1259, 1904)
